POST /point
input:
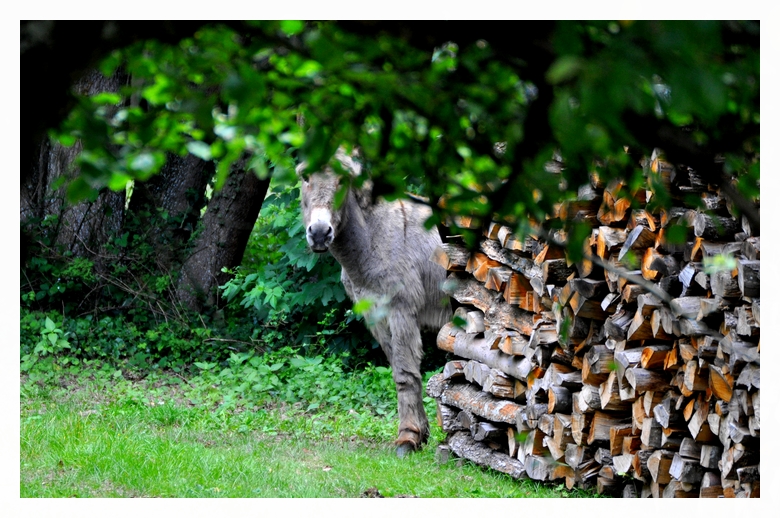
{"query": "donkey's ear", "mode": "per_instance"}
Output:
(300, 168)
(350, 163)
(364, 194)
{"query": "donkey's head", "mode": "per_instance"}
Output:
(320, 216)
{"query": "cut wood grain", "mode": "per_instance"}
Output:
(635, 372)
(465, 447)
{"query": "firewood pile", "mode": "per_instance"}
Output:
(634, 371)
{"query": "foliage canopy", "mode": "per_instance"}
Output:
(467, 112)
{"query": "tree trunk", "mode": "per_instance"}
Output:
(178, 192)
(84, 228)
(227, 224)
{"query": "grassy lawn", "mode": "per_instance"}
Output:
(102, 436)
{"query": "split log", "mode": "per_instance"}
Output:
(746, 323)
(499, 384)
(478, 349)
(639, 239)
(751, 248)
(469, 397)
(601, 424)
(580, 426)
(651, 434)
(539, 468)
(498, 314)
(725, 284)
(749, 277)
(451, 256)
(609, 395)
(556, 271)
(476, 372)
(721, 384)
(454, 369)
(597, 365)
(498, 278)
(654, 356)
(513, 441)
(686, 470)
(640, 328)
(517, 290)
(609, 240)
(464, 446)
(616, 436)
(485, 431)
(686, 307)
(587, 308)
(479, 265)
(676, 489)
(709, 306)
(616, 325)
(696, 378)
(715, 227)
(559, 400)
(473, 320)
(710, 454)
(623, 464)
(447, 417)
(658, 465)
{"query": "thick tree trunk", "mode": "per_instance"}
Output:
(172, 201)
(227, 224)
(84, 228)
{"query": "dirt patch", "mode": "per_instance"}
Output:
(373, 492)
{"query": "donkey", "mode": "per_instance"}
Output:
(383, 249)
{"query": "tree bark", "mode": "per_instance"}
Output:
(84, 228)
(227, 224)
(178, 190)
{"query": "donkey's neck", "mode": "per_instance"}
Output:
(352, 244)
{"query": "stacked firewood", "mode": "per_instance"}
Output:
(634, 371)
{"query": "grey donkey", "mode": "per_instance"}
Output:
(383, 249)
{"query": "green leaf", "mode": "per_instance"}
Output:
(563, 69)
(340, 195)
(362, 306)
(298, 362)
(291, 27)
(49, 324)
(308, 68)
(677, 234)
(199, 149)
(142, 162)
(107, 98)
(66, 140)
(80, 190)
(719, 263)
(119, 181)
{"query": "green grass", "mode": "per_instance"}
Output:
(99, 436)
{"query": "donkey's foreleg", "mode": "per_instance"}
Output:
(406, 345)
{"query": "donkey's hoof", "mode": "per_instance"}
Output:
(408, 441)
(403, 449)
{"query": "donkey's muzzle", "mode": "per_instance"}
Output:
(319, 235)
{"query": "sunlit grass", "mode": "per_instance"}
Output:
(101, 439)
